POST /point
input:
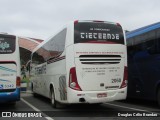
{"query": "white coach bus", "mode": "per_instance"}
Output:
(9, 69)
(85, 62)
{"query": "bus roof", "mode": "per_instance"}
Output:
(142, 30)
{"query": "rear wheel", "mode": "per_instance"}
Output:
(54, 103)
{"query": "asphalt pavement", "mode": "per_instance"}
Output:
(30, 107)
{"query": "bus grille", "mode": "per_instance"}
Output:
(100, 59)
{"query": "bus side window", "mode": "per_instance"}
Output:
(150, 46)
(37, 59)
(150, 43)
(56, 45)
(158, 40)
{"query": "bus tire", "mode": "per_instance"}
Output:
(32, 87)
(158, 97)
(53, 101)
(34, 94)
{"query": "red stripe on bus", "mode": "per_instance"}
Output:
(55, 59)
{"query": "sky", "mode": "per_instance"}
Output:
(43, 18)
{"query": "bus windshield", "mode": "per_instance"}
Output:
(7, 44)
(98, 32)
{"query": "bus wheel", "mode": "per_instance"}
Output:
(53, 101)
(34, 94)
(32, 87)
(158, 97)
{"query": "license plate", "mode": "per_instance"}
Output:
(100, 95)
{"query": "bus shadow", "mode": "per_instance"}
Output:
(77, 110)
(7, 106)
(72, 106)
(42, 98)
(142, 103)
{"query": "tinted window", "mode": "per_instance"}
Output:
(37, 59)
(138, 39)
(130, 41)
(56, 45)
(51, 49)
(98, 32)
(144, 42)
(7, 44)
(158, 40)
(158, 34)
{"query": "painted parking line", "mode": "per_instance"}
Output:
(131, 108)
(36, 109)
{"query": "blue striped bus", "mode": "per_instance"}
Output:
(9, 69)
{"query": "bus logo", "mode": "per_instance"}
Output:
(4, 45)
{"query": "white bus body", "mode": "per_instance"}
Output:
(85, 62)
(9, 68)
